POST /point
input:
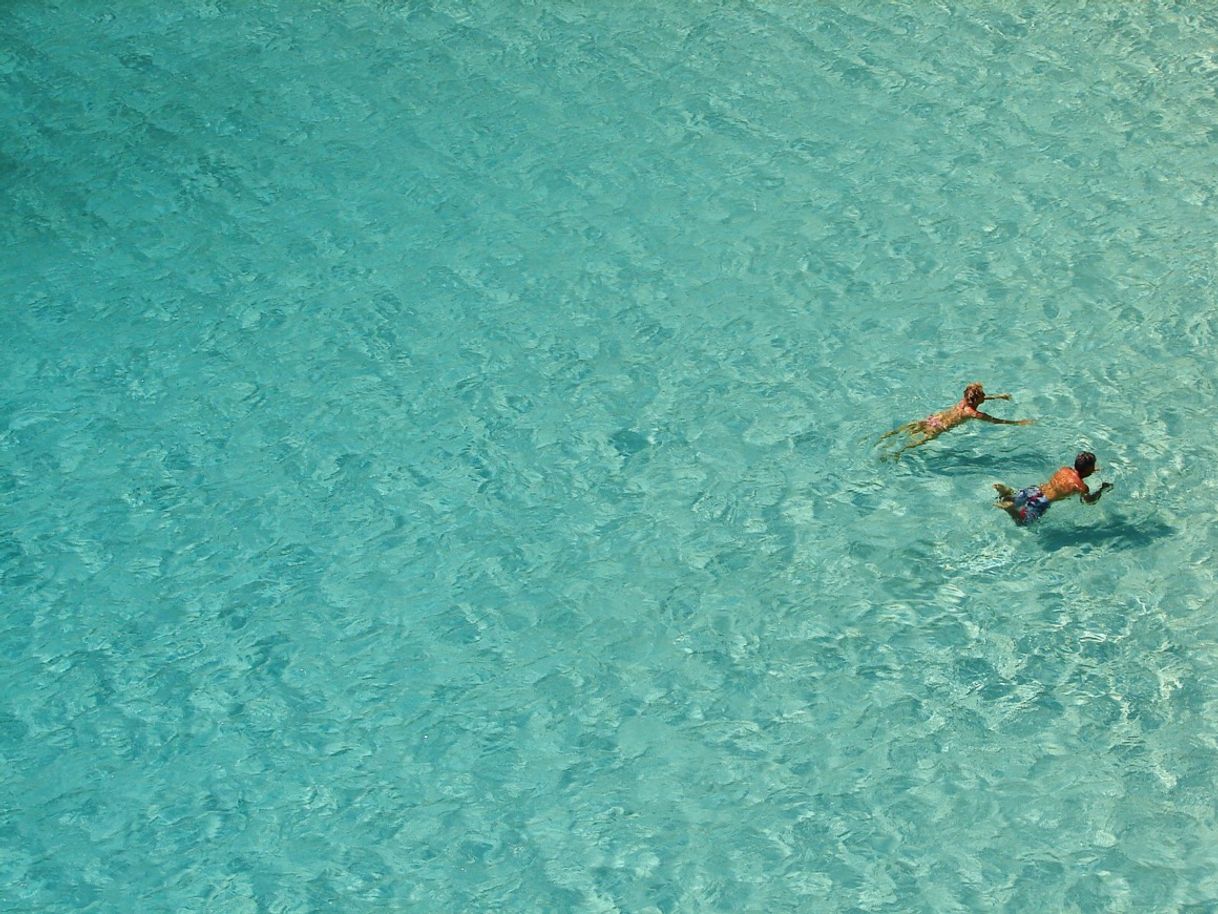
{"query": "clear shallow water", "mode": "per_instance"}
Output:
(435, 447)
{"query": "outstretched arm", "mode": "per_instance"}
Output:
(986, 417)
(1091, 498)
(996, 397)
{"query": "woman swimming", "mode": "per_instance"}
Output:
(923, 430)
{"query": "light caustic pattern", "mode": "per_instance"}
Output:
(436, 449)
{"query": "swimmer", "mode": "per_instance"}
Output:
(1027, 505)
(934, 425)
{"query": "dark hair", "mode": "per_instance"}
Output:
(1084, 461)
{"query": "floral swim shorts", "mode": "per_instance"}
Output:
(1031, 503)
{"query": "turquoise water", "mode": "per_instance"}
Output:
(436, 449)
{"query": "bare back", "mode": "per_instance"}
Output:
(949, 418)
(1064, 483)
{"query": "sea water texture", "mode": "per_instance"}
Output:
(438, 473)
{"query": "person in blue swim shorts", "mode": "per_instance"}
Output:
(1028, 505)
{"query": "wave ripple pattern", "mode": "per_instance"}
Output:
(437, 463)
